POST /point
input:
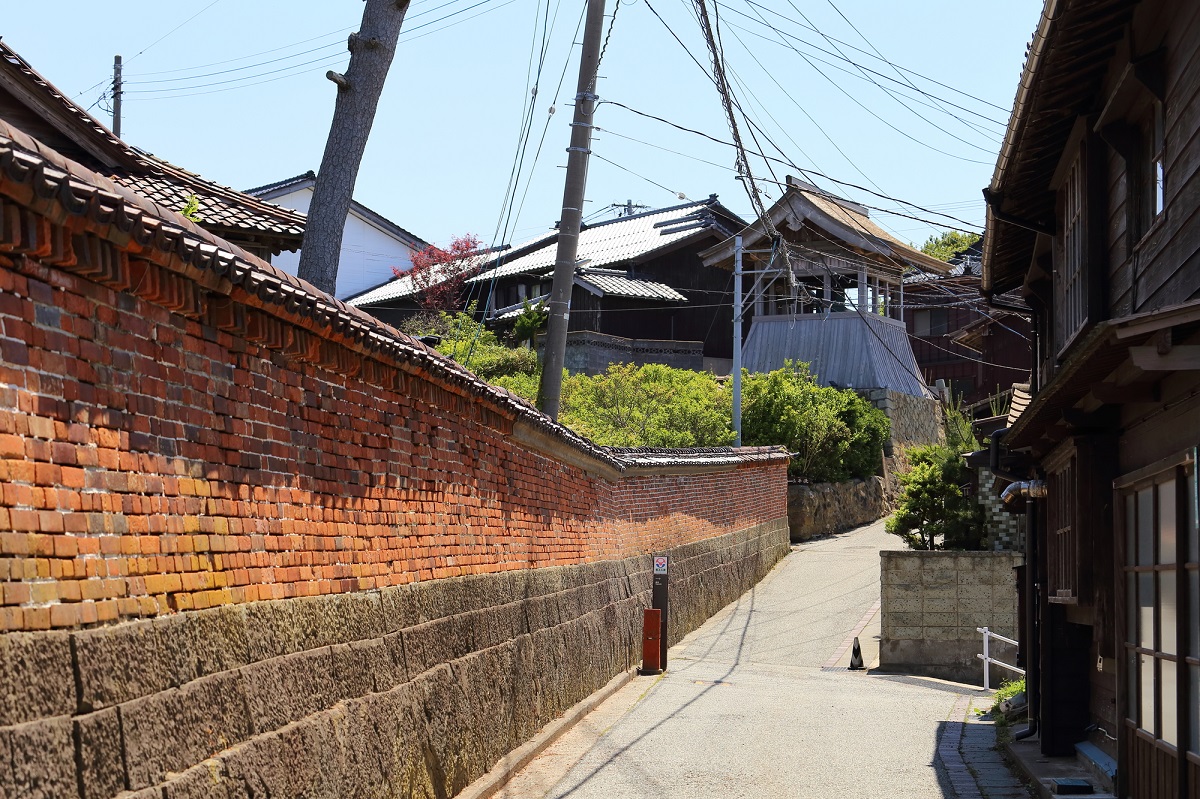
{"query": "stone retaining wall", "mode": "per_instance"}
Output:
(410, 691)
(932, 604)
(824, 508)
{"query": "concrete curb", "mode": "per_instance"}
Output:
(517, 759)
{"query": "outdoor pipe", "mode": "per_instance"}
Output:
(994, 458)
(1032, 670)
(1024, 489)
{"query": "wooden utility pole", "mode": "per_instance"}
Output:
(371, 52)
(117, 91)
(572, 212)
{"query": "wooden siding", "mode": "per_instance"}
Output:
(1167, 261)
(1152, 770)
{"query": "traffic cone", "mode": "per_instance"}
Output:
(856, 662)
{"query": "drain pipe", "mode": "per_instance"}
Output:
(1033, 686)
(1024, 489)
(994, 458)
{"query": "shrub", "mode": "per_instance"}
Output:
(648, 406)
(933, 511)
(833, 433)
(474, 346)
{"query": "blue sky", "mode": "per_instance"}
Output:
(235, 90)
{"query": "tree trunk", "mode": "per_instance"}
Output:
(371, 52)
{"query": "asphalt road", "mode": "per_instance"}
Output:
(759, 703)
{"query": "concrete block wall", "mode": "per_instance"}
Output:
(934, 601)
(253, 542)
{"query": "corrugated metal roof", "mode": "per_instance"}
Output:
(840, 349)
(612, 282)
(615, 241)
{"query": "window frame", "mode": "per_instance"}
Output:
(1184, 569)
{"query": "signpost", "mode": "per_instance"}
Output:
(658, 600)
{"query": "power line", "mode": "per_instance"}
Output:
(805, 171)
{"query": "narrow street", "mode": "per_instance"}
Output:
(759, 703)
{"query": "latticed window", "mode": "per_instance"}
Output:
(1070, 290)
(1062, 554)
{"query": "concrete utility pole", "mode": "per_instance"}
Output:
(117, 91)
(371, 52)
(572, 213)
(737, 340)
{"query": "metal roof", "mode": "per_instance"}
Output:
(621, 240)
(607, 282)
(842, 349)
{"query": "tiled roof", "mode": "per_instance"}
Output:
(33, 172)
(286, 183)
(165, 183)
(616, 283)
(629, 238)
(219, 207)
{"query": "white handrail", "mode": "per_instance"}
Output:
(988, 660)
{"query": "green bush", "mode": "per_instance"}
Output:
(834, 434)
(933, 511)
(648, 406)
(474, 346)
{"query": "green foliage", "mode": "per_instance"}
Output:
(531, 320)
(1000, 402)
(948, 244)
(960, 433)
(648, 406)
(191, 209)
(834, 433)
(470, 343)
(523, 385)
(933, 511)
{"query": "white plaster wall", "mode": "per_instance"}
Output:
(368, 253)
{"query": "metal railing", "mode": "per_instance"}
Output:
(987, 658)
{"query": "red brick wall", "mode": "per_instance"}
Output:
(152, 461)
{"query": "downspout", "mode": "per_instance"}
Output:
(1033, 687)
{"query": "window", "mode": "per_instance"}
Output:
(1148, 171)
(1070, 311)
(933, 322)
(1162, 595)
(1062, 553)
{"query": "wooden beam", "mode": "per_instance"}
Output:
(1112, 394)
(1184, 358)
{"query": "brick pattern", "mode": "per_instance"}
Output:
(1005, 531)
(169, 442)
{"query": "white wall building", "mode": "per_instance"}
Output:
(372, 245)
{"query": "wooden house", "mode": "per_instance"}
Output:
(640, 292)
(373, 246)
(825, 286)
(34, 106)
(1092, 214)
(976, 351)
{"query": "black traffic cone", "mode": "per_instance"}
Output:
(856, 663)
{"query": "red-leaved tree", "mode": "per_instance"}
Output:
(438, 275)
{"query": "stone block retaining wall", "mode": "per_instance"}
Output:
(824, 508)
(934, 601)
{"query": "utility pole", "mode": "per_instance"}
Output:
(737, 340)
(116, 106)
(572, 213)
